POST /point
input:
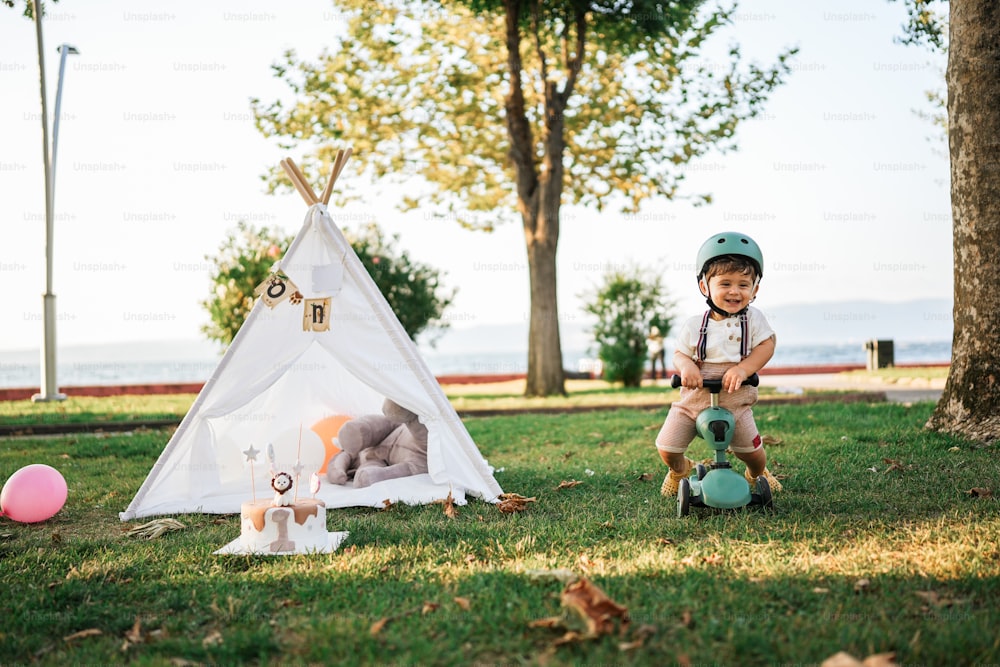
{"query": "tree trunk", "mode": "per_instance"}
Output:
(969, 404)
(545, 370)
(538, 198)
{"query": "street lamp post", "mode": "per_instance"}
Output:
(49, 390)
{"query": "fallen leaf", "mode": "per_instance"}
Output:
(568, 484)
(550, 622)
(954, 449)
(665, 541)
(155, 528)
(820, 591)
(714, 559)
(464, 603)
(841, 659)
(593, 605)
(639, 637)
(449, 506)
(862, 585)
(134, 635)
(569, 638)
(895, 464)
(428, 608)
(880, 660)
(82, 634)
(377, 626)
(980, 492)
(771, 440)
(645, 477)
(214, 638)
(513, 502)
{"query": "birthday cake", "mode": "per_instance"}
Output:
(297, 527)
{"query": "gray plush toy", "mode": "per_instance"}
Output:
(375, 448)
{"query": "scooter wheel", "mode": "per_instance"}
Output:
(764, 493)
(701, 471)
(683, 498)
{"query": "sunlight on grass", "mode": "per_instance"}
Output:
(875, 544)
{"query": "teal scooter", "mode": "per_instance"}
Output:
(719, 486)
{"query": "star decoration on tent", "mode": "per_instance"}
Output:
(251, 454)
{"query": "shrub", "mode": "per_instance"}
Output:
(245, 258)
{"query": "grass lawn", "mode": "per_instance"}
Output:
(875, 545)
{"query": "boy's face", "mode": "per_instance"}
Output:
(732, 292)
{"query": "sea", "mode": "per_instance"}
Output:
(167, 362)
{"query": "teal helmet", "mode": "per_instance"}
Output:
(733, 244)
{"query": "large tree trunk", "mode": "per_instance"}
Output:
(970, 405)
(538, 196)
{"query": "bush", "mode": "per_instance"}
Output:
(245, 258)
(626, 305)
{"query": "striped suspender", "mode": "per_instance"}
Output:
(701, 348)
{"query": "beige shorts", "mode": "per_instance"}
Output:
(679, 430)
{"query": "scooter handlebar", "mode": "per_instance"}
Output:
(715, 385)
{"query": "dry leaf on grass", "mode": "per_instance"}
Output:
(645, 477)
(83, 634)
(844, 659)
(426, 608)
(133, 635)
(771, 440)
(155, 528)
(980, 492)
(598, 611)
(568, 484)
(449, 506)
(463, 603)
(895, 464)
(213, 638)
(862, 585)
(513, 502)
(377, 626)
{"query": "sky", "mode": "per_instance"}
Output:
(839, 180)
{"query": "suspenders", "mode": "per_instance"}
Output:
(701, 348)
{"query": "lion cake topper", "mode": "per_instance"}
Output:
(282, 484)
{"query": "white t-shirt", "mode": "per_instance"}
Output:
(724, 336)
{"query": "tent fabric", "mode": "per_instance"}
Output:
(276, 380)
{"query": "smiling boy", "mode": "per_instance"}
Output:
(732, 341)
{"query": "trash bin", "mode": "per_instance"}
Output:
(880, 354)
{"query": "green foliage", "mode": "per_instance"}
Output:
(429, 98)
(626, 305)
(247, 254)
(244, 260)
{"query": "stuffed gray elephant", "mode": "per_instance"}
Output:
(375, 448)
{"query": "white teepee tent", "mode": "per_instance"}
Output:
(333, 350)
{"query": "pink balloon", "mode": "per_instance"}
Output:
(33, 493)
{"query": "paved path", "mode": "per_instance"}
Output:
(914, 391)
